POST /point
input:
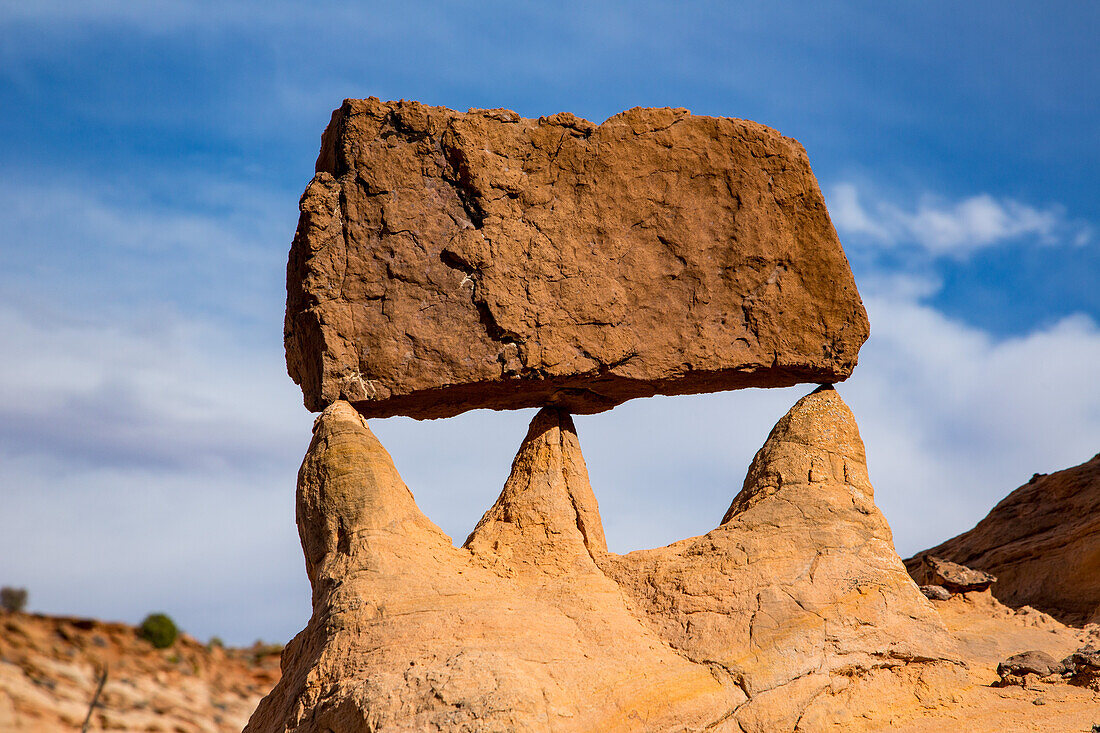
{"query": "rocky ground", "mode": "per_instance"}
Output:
(50, 668)
(987, 633)
(49, 665)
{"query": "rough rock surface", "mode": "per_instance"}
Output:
(50, 667)
(1032, 662)
(956, 578)
(1043, 544)
(533, 625)
(1083, 667)
(935, 592)
(447, 261)
(987, 633)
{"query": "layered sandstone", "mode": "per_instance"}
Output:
(763, 624)
(446, 261)
(1042, 542)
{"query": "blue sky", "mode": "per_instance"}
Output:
(152, 154)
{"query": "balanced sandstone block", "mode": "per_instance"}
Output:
(448, 261)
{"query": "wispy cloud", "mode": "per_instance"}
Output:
(155, 457)
(943, 227)
(177, 395)
(136, 250)
(954, 418)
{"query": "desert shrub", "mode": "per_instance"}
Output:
(262, 649)
(13, 600)
(215, 643)
(159, 630)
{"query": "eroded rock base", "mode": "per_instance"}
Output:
(772, 621)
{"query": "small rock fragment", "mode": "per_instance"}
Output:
(928, 570)
(1083, 668)
(935, 592)
(1016, 669)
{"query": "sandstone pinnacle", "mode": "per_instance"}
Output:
(547, 507)
(446, 261)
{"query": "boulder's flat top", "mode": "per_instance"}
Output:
(447, 261)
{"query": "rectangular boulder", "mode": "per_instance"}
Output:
(448, 261)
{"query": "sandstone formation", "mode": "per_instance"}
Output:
(50, 668)
(1042, 542)
(766, 623)
(446, 261)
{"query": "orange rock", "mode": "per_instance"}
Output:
(447, 261)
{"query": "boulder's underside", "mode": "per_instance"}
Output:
(448, 261)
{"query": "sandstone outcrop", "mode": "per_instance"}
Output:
(447, 261)
(935, 592)
(1042, 542)
(533, 625)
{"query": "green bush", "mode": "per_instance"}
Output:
(159, 630)
(13, 600)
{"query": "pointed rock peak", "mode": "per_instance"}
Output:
(816, 443)
(822, 420)
(348, 487)
(547, 503)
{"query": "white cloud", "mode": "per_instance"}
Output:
(954, 418)
(950, 228)
(182, 393)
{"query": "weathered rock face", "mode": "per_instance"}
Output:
(801, 580)
(448, 261)
(517, 631)
(533, 625)
(1043, 544)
